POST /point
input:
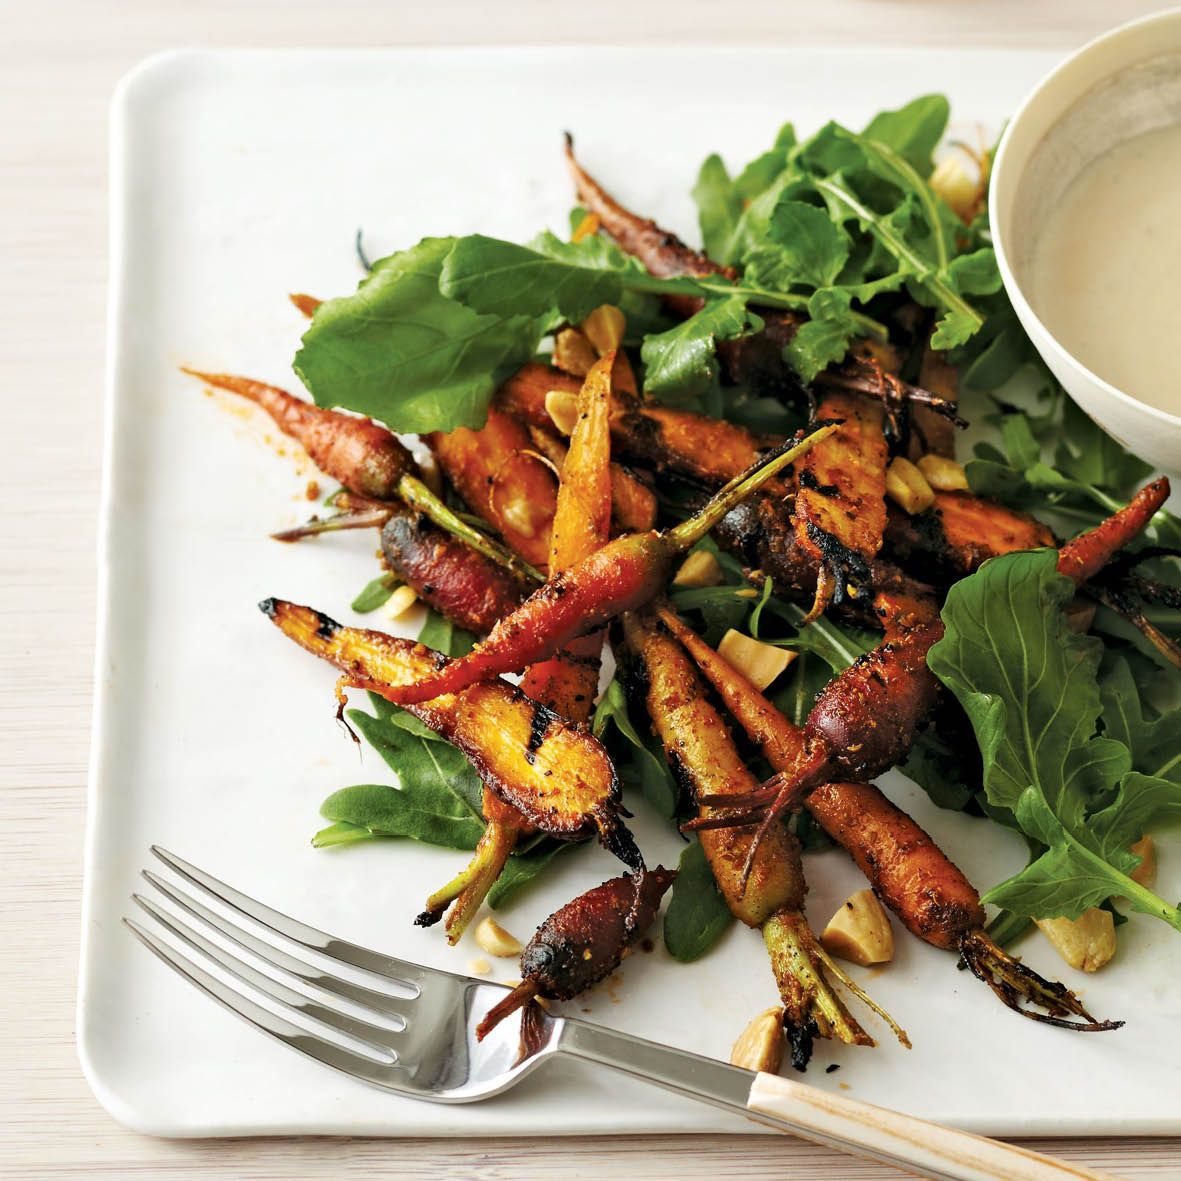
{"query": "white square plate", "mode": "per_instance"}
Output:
(240, 177)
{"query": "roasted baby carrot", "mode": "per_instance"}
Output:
(566, 682)
(840, 510)
(555, 774)
(583, 941)
(500, 477)
(904, 865)
(447, 574)
(365, 457)
(623, 575)
(698, 743)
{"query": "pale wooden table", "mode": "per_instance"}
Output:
(58, 64)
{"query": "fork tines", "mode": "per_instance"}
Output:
(248, 957)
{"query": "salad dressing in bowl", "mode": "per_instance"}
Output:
(1105, 274)
(1082, 201)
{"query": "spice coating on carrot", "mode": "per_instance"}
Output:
(584, 941)
(623, 575)
(906, 868)
(360, 453)
(501, 479)
(469, 589)
(558, 776)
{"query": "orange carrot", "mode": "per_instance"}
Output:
(556, 774)
(361, 454)
(623, 575)
(567, 681)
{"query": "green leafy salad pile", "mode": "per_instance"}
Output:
(1077, 736)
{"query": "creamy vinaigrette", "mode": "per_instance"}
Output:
(1106, 273)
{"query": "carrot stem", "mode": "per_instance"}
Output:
(689, 533)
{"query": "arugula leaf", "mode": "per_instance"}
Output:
(404, 353)
(418, 809)
(825, 338)
(523, 868)
(682, 363)
(719, 206)
(721, 202)
(375, 594)
(1029, 687)
(697, 915)
(913, 131)
(507, 280)
(640, 764)
(422, 764)
(812, 248)
(1154, 744)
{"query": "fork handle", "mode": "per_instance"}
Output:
(913, 1145)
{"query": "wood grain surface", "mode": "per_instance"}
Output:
(58, 64)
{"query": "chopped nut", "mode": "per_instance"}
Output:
(1145, 872)
(573, 353)
(760, 663)
(562, 407)
(953, 182)
(479, 967)
(604, 327)
(760, 1044)
(1087, 942)
(908, 487)
(860, 932)
(495, 940)
(399, 602)
(700, 568)
(944, 475)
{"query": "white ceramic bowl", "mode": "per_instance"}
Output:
(1125, 83)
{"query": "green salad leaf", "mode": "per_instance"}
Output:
(400, 350)
(1029, 685)
(640, 761)
(375, 594)
(680, 364)
(697, 915)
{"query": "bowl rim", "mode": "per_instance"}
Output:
(1008, 276)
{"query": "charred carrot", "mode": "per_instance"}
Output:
(583, 941)
(624, 574)
(904, 865)
(661, 252)
(709, 450)
(1083, 558)
(567, 681)
(365, 457)
(500, 477)
(697, 740)
(840, 510)
(959, 532)
(460, 583)
(555, 774)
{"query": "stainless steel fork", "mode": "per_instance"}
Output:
(411, 1030)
